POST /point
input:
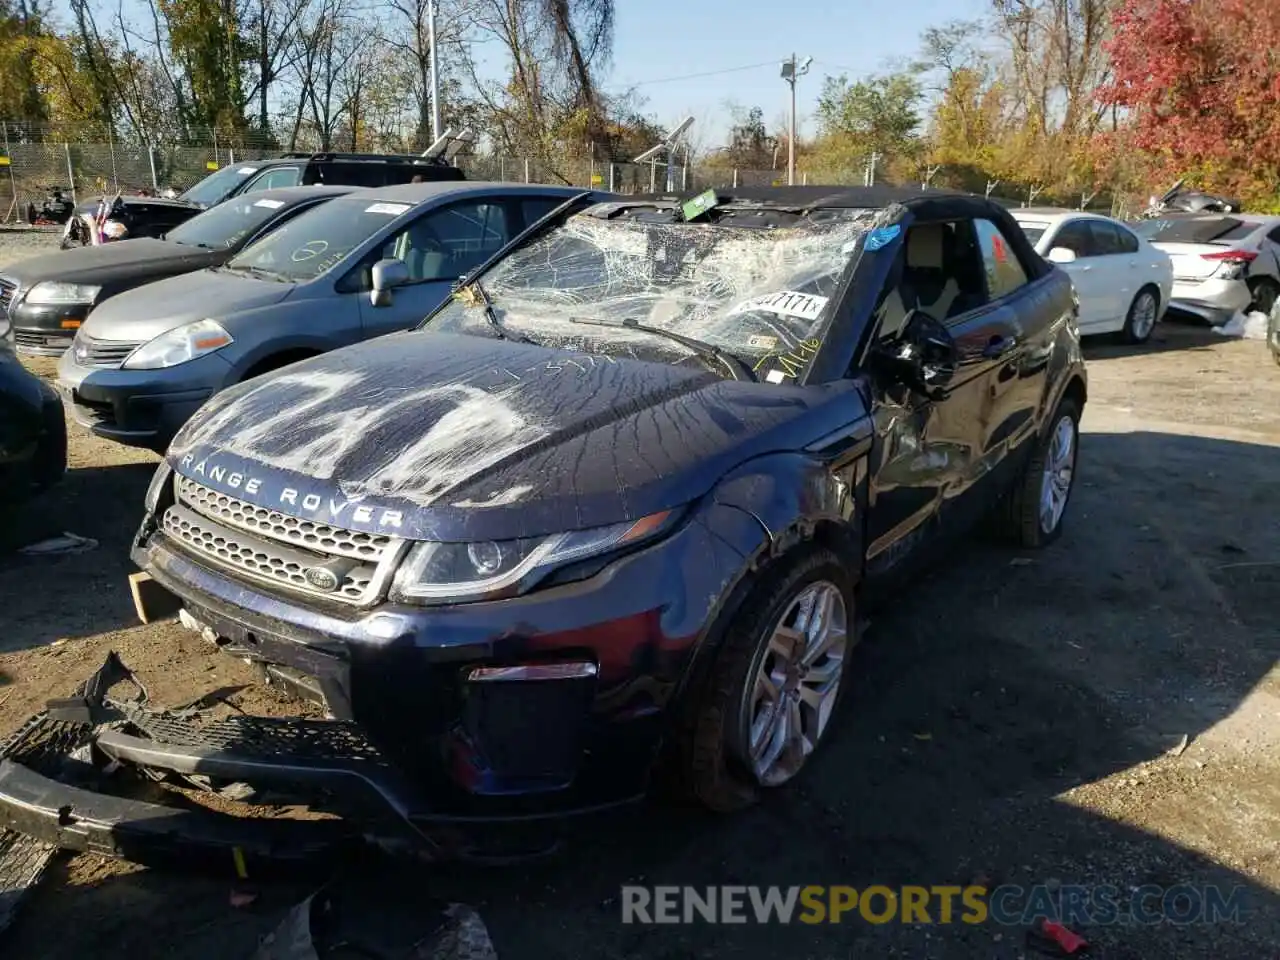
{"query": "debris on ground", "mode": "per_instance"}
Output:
(59, 546)
(22, 863)
(1055, 940)
(332, 924)
(1250, 326)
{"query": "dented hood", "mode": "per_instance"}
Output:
(456, 437)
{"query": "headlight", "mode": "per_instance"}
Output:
(179, 346)
(488, 569)
(162, 475)
(52, 292)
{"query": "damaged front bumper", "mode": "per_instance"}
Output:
(123, 779)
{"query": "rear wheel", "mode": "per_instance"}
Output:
(773, 689)
(1141, 319)
(1033, 514)
(1265, 293)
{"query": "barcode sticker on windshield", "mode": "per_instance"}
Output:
(788, 303)
(269, 204)
(245, 171)
(390, 209)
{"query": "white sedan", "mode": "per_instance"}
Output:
(1124, 284)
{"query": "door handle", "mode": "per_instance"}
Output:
(998, 346)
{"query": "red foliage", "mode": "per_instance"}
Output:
(1200, 80)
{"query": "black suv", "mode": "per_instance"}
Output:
(142, 216)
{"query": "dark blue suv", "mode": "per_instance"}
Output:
(620, 501)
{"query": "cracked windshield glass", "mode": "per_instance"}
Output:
(753, 285)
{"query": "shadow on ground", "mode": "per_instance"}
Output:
(73, 595)
(1169, 334)
(1005, 681)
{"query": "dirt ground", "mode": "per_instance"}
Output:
(1021, 720)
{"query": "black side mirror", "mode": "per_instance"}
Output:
(923, 357)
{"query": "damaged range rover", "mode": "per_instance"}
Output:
(619, 503)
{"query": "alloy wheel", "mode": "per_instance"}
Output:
(789, 704)
(1144, 316)
(1059, 471)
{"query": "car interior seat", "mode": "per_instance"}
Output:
(924, 281)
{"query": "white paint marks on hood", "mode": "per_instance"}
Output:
(310, 430)
(504, 499)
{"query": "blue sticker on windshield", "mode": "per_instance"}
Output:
(882, 236)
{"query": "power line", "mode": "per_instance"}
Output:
(708, 73)
(836, 66)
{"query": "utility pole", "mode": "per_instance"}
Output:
(435, 72)
(791, 70)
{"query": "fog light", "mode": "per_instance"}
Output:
(580, 670)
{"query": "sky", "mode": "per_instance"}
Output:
(660, 39)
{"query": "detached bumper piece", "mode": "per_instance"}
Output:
(68, 779)
(118, 778)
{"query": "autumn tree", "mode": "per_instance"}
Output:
(1197, 82)
(879, 115)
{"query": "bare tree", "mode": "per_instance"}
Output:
(274, 25)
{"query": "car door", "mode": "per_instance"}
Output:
(1090, 284)
(438, 247)
(928, 451)
(1115, 273)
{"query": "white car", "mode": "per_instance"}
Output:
(1222, 262)
(1123, 283)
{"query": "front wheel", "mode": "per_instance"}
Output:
(1033, 513)
(773, 689)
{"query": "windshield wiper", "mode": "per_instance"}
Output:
(491, 314)
(260, 272)
(736, 367)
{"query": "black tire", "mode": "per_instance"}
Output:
(1265, 292)
(1137, 330)
(710, 748)
(1018, 518)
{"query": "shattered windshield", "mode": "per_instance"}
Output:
(754, 285)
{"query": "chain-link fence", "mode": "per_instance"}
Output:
(29, 171)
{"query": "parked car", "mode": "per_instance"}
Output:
(49, 297)
(33, 433)
(138, 216)
(372, 262)
(621, 499)
(1222, 263)
(1124, 284)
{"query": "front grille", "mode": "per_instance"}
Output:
(41, 341)
(102, 353)
(320, 537)
(271, 547)
(259, 559)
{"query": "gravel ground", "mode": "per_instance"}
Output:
(1021, 720)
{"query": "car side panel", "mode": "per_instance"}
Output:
(320, 321)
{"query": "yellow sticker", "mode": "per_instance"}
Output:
(211, 164)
